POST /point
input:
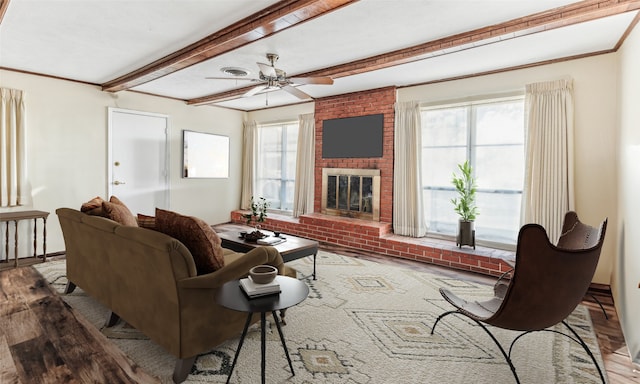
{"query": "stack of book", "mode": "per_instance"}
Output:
(253, 289)
(270, 240)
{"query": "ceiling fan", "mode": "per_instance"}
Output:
(272, 78)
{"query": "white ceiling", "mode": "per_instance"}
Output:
(97, 41)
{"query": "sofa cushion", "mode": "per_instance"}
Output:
(116, 210)
(145, 221)
(93, 206)
(201, 240)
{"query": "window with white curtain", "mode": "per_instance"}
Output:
(490, 134)
(276, 164)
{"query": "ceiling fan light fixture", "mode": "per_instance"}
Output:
(235, 71)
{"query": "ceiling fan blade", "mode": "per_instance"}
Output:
(267, 70)
(311, 80)
(255, 90)
(296, 92)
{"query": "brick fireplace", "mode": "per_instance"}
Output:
(358, 104)
(365, 232)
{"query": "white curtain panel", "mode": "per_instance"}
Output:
(305, 166)
(13, 191)
(548, 191)
(408, 213)
(248, 162)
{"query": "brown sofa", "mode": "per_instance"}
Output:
(149, 279)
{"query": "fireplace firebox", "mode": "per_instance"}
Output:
(351, 192)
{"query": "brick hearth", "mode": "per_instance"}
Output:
(377, 237)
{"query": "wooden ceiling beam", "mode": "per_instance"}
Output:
(4, 4)
(264, 23)
(544, 21)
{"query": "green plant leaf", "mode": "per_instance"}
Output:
(465, 185)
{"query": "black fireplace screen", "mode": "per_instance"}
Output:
(350, 193)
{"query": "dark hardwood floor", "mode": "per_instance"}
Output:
(43, 340)
(620, 369)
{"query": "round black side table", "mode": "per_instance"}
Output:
(231, 296)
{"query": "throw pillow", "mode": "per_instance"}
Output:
(93, 206)
(115, 210)
(113, 199)
(145, 221)
(201, 240)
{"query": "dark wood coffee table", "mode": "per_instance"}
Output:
(231, 296)
(293, 248)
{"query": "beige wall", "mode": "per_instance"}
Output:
(627, 268)
(67, 150)
(595, 139)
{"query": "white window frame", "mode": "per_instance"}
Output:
(283, 163)
(471, 152)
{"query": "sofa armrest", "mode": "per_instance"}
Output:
(236, 270)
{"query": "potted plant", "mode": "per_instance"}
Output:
(465, 205)
(257, 216)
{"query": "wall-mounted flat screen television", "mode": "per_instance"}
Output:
(360, 136)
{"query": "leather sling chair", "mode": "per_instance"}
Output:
(547, 284)
(569, 224)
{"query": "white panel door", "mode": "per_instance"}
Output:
(139, 160)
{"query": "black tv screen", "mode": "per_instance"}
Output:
(360, 136)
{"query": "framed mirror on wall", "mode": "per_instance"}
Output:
(205, 155)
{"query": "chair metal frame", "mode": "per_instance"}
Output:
(507, 356)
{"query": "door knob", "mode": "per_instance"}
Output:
(118, 182)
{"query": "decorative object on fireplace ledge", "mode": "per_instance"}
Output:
(465, 205)
(257, 216)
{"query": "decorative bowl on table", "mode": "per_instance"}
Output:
(254, 236)
(263, 274)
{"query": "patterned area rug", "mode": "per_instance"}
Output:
(365, 322)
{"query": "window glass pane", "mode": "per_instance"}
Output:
(444, 127)
(276, 164)
(440, 218)
(270, 190)
(288, 202)
(500, 167)
(291, 152)
(497, 221)
(491, 137)
(438, 165)
(270, 152)
(500, 123)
